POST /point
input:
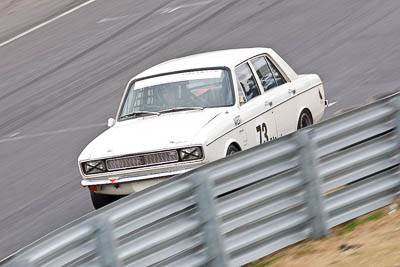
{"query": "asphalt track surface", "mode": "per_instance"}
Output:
(60, 83)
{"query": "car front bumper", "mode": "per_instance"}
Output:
(126, 179)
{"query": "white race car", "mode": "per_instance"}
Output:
(186, 112)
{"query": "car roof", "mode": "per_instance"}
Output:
(222, 58)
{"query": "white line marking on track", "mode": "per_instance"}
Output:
(46, 22)
(111, 19)
(14, 138)
(172, 9)
(14, 134)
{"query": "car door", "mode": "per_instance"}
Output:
(278, 93)
(257, 117)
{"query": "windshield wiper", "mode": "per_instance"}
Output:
(134, 113)
(180, 109)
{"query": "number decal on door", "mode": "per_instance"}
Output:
(262, 130)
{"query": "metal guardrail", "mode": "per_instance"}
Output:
(238, 209)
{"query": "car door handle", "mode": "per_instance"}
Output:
(292, 91)
(268, 103)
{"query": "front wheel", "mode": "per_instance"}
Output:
(232, 149)
(101, 200)
(305, 120)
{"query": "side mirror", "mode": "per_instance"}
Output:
(241, 100)
(111, 122)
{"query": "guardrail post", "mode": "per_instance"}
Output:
(207, 211)
(315, 202)
(395, 103)
(105, 243)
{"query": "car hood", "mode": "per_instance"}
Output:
(150, 133)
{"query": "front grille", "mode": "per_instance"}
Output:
(142, 160)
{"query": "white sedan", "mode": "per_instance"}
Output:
(186, 112)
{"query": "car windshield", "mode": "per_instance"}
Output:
(192, 90)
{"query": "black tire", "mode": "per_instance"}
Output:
(232, 149)
(305, 120)
(101, 200)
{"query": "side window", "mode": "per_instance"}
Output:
(264, 72)
(278, 76)
(247, 81)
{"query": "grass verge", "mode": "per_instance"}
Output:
(370, 240)
(350, 226)
(269, 262)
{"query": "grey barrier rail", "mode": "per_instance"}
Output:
(238, 209)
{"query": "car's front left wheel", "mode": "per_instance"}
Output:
(232, 149)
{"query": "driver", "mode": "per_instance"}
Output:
(168, 95)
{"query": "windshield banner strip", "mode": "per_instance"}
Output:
(178, 77)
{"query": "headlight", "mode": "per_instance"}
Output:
(92, 167)
(190, 153)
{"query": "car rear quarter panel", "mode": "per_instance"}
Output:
(311, 96)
